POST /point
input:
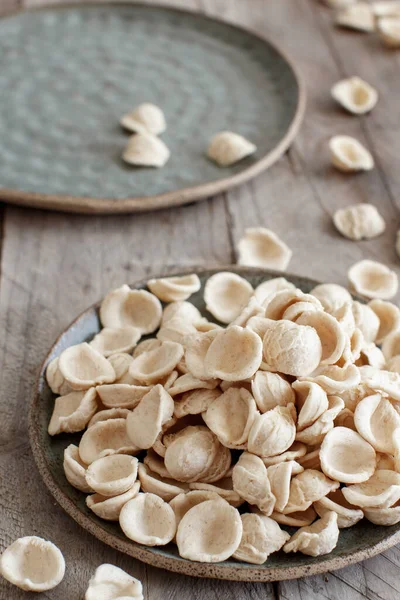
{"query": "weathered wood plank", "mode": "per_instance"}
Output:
(55, 265)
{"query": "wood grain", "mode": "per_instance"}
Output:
(54, 265)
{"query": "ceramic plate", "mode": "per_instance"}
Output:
(68, 74)
(356, 543)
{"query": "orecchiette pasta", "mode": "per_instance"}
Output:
(291, 412)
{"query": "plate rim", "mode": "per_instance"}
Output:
(147, 555)
(180, 197)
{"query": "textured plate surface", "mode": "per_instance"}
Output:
(356, 543)
(68, 74)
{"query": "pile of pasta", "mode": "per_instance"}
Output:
(215, 437)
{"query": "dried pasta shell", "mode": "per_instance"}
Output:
(358, 222)
(112, 475)
(195, 402)
(315, 433)
(358, 16)
(385, 382)
(389, 318)
(109, 413)
(259, 325)
(253, 309)
(310, 460)
(345, 419)
(306, 488)
(317, 539)
(231, 416)
(386, 8)
(330, 333)
(148, 520)
(174, 289)
(227, 148)
(355, 95)
(165, 488)
(187, 383)
(121, 395)
(312, 402)
(250, 481)
(224, 490)
(146, 150)
(261, 247)
(109, 508)
(373, 356)
(389, 31)
(209, 532)
(145, 422)
(391, 345)
(376, 420)
(279, 476)
(55, 379)
(393, 364)
(349, 155)
(383, 516)
(226, 294)
(366, 321)
(146, 117)
(347, 514)
(75, 469)
(278, 304)
(112, 341)
(269, 287)
(182, 503)
(273, 432)
(295, 519)
(185, 311)
(110, 582)
(83, 367)
(32, 564)
(234, 354)
(124, 307)
(190, 455)
(121, 363)
(346, 457)
(296, 310)
(335, 380)
(261, 537)
(105, 438)
(295, 452)
(331, 295)
(73, 412)
(175, 330)
(271, 390)
(153, 365)
(196, 347)
(292, 349)
(373, 279)
(382, 490)
(220, 467)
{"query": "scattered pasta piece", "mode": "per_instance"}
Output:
(389, 31)
(227, 148)
(355, 95)
(349, 155)
(358, 16)
(146, 118)
(32, 564)
(262, 247)
(110, 582)
(146, 150)
(358, 222)
(373, 279)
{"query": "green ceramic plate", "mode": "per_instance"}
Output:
(355, 544)
(67, 75)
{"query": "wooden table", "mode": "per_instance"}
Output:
(55, 265)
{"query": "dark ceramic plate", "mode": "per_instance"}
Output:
(68, 74)
(356, 543)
